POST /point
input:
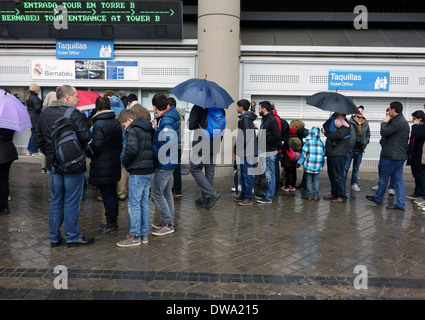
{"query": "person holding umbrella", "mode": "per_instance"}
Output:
(337, 132)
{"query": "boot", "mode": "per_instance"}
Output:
(108, 228)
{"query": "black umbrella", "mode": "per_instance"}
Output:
(333, 101)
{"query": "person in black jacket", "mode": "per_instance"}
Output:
(66, 189)
(138, 161)
(247, 151)
(105, 165)
(34, 106)
(270, 133)
(337, 148)
(8, 154)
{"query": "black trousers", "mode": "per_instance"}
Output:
(4, 184)
(110, 201)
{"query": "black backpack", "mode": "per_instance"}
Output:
(69, 155)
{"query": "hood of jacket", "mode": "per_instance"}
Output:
(249, 114)
(313, 134)
(141, 123)
(104, 114)
(171, 113)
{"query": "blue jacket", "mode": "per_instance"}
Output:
(166, 140)
(313, 152)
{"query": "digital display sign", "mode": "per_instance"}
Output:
(80, 19)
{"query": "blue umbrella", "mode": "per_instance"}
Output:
(204, 93)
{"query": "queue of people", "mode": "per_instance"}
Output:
(128, 148)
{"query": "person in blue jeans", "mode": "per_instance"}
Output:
(246, 150)
(394, 142)
(66, 188)
(270, 133)
(138, 161)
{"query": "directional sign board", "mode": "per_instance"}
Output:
(91, 19)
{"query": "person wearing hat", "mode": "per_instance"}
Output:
(34, 105)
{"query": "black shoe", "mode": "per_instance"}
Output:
(80, 242)
(211, 201)
(56, 244)
(394, 207)
(200, 203)
(108, 228)
(122, 198)
(372, 198)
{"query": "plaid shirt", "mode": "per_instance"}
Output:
(313, 152)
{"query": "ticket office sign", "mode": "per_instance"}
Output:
(370, 80)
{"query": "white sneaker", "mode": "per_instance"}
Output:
(374, 188)
(391, 192)
(355, 187)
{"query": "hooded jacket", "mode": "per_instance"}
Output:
(246, 140)
(364, 137)
(138, 156)
(8, 152)
(166, 140)
(105, 165)
(313, 152)
(34, 106)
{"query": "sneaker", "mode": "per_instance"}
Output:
(423, 209)
(159, 225)
(291, 188)
(130, 241)
(391, 192)
(163, 231)
(144, 238)
(245, 202)
(374, 188)
(177, 194)
(44, 170)
(264, 200)
(355, 187)
(259, 196)
(421, 204)
(286, 189)
(200, 203)
(419, 200)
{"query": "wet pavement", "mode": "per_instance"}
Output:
(290, 249)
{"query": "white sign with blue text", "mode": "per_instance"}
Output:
(84, 49)
(359, 80)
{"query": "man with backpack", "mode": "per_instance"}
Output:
(208, 125)
(61, 135)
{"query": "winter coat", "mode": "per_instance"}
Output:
(105, 165)
(166, 140)
(295, 143)
(8, 152)
(43, 130)
(313, 152)
(34, 106)
(395, 138)
(363, 139)
(337, 143)
(416, 145)
(138, 156)
(273, 139)
(246, 140)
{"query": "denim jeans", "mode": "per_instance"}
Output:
(269, 164)
(394, 169)
(138, 203)
(162, 195)
(31, 144)
(110, 201)
(247, 180)
(66, 191)
(356, 157)
(312, 184)
(336, 176)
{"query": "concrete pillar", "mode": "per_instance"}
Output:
(219, 48)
